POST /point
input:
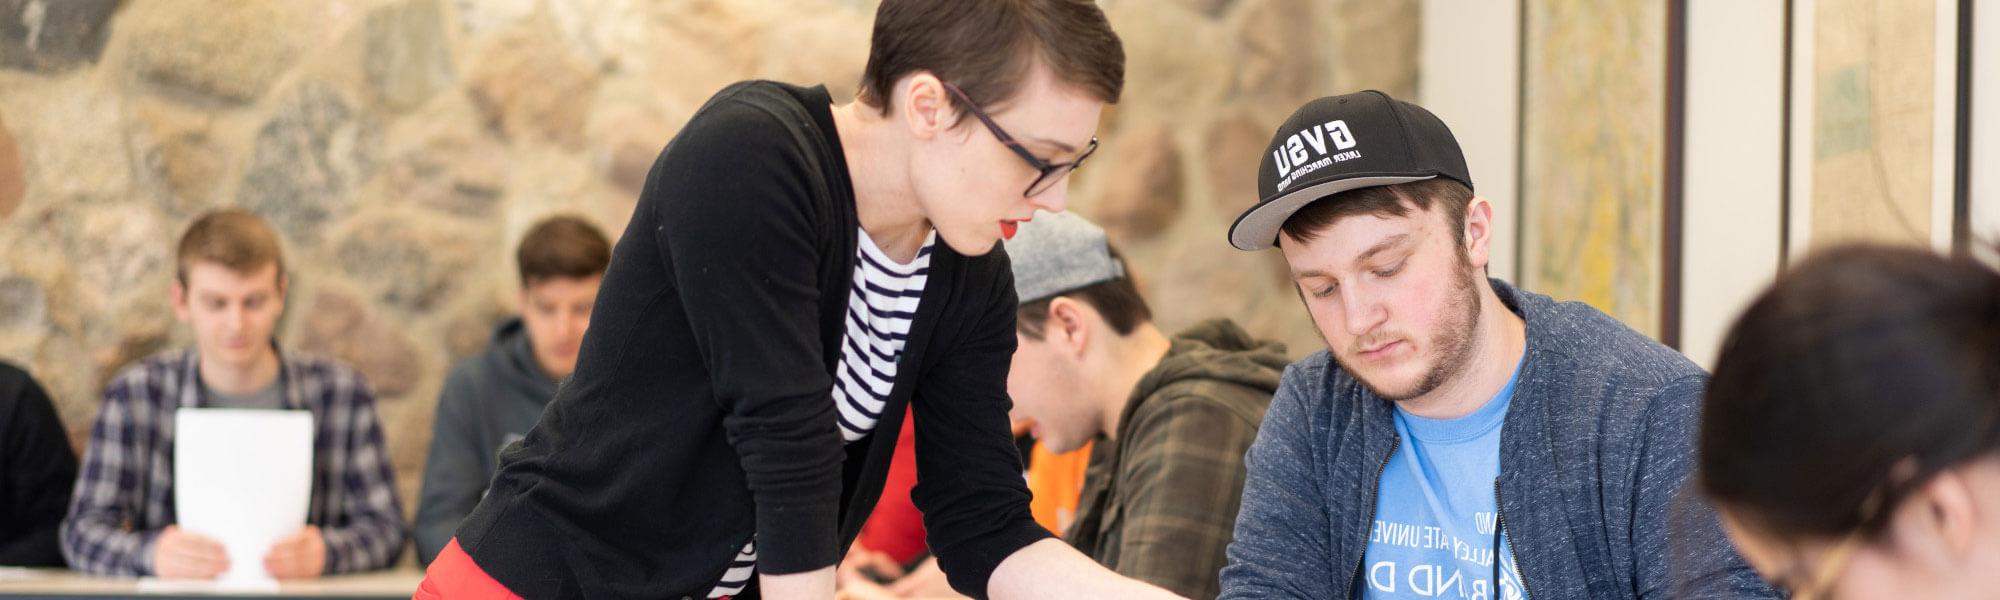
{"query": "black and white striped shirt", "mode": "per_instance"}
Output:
(880, 306)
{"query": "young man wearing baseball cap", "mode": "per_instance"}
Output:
(1172, 415)
(1460, 437)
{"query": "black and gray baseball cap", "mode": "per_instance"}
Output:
(1340, 143)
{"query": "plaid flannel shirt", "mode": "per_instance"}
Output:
(125, 493)
(1159, 501)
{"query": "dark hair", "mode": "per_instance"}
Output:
(1852, 380)
(984, 47)
(1118, 300)
(1385, 200)
(562, 247)
(232, 237)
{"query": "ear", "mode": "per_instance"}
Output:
(1068, 328)
(1945, 512)
(927, 108)
(1479, 231)
(177, 296)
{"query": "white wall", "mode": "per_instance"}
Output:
(1734, 158)
(1800, 129)
(1944, 123)
(1732, 182)
(1471, 77)
(1986, 127)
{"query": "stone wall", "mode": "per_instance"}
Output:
(402, 146)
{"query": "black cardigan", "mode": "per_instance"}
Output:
(701, 408)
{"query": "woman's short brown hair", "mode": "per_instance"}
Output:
(984, 47)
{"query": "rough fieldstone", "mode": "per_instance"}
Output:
(177, 148)
(453, 166)
(704, 45)
(631, 159)
(1284, 57)
(61, 363)
(468, 333)
(480, 17)
(192, 166)
(410, 265)
(1172, 58)
(52, 36)
(13, 179)
(22, 302)
(1232, 150)
(308, 161)
(118, 247)
(596, 39)
(1144, 188)
(340, 326)
(407, 59)
(229, 50)
(144, 327)
(839, 40)
(1210, 8)
(529, 87)
(73, 146)
(632, 141)
(1377, 45)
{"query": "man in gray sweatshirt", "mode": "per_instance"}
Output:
(492, 399)
(1459, 437)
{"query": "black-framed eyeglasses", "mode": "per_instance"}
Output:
(1050, 173)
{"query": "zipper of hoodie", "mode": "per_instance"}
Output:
(1500, 515)
(1374, 490)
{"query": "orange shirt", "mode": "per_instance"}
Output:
(1056, 480)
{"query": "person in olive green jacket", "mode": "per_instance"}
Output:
(1173, 415)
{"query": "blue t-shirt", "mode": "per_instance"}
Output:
(1435, 517)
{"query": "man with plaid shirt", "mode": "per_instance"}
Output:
(1174, 414)
(229, 289)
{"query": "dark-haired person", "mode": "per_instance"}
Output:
(1459, 437)
(37, 470)
(1851, 438)
(492, 399)
(795, 274)
(1172, 415)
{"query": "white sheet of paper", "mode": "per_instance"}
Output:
(243, 477)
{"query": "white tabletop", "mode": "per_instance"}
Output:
(17, 583)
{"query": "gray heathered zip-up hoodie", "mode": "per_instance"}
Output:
(1594, 455)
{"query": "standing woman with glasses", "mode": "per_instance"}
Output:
(1851, 436)
(795, 274)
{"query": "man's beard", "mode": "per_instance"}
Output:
(1451, 343)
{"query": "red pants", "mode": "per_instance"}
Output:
(453, 576)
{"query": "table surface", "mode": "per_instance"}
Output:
(64, 584)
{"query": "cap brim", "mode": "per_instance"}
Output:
(1258, 228)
